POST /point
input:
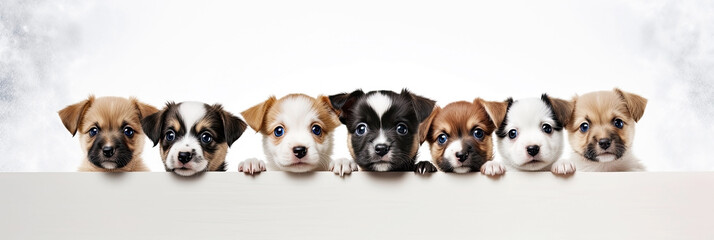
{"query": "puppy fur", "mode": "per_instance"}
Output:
(459, 135)
(194, 137)
(109, 132)
(383, 128)
(603, 129)
(530, 137)
(297, 135)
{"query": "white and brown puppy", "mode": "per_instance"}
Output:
(530, 135)
(603, 129)
(194, 136)
(110, 132)
(297, 135)
(459, 136)
(383, 128)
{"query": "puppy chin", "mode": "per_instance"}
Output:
(189, 168)
(462, 169)
(293, 164)
(109, 165)
(382, 167)
(606, 157)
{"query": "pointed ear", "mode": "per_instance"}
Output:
(425, 127)
(143, 108)
(72, 115)
(343, 102)
(496, 110)
(255, 116)
(154, 123)
(233, 127)
(562, 109)
(635, 104)
(422, 106)
(334, 121)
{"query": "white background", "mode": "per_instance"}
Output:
(56, 53)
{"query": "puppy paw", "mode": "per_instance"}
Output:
(342, 166)
(563, 168)
(251, 165)
(425, 167)
(492, 168)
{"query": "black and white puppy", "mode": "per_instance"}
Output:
(194, 136)
(383, 128)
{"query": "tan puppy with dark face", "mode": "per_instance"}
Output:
(602, 130)
(459, 136)
(110, 132)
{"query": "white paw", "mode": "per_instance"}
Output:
(563, 168)
(342, 166)
(492, 168)
(251, 165)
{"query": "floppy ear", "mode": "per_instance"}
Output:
(334, 121)
(562, 109)
(143, 108)
(496, 110)
(425, 127)
(343, 102)
(72, 115)
(233, 127)
(255, 116)
(422, 106)
(635, 104)
(153, 124)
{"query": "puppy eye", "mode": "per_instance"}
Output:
(317, 130)
(584, 127)
(93, 131)
(618, 123)
(206, 137)
(547, 128)
(361, 129)
(402, 129)
(442, 138)
(128, 131)
(513, 134)
(279, 131)
(170, 135)
(478, 134)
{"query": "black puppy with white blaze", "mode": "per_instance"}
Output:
(383, 128)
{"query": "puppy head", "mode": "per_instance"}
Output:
(459, 135)
(603, 125)
(383, 127)
(109, 127)
(297, 131)
(530, 136)
(193, 136)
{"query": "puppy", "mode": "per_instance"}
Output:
(297, 135)
(459, 136)
(603, 129)
(383, 128)
(194, 136)
(530, 135)
(110, 132)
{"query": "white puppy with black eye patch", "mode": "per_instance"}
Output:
(530, 135)
(297, 135)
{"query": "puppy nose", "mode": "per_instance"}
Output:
(300, 151)
(462, 156)
(108, 151)
(604, 143)
(184, 157)
(533, 150)
(381, 149)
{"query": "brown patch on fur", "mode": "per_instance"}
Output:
(497, 111)
(110, 114)
(599, 110)
(216, 159)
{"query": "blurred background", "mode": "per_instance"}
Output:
(56, 53)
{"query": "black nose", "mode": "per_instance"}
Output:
(108, 151)
(381, 149)
(462, 156)
(533, 150)
(300, 151)
(604, 143)
(184, 157)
